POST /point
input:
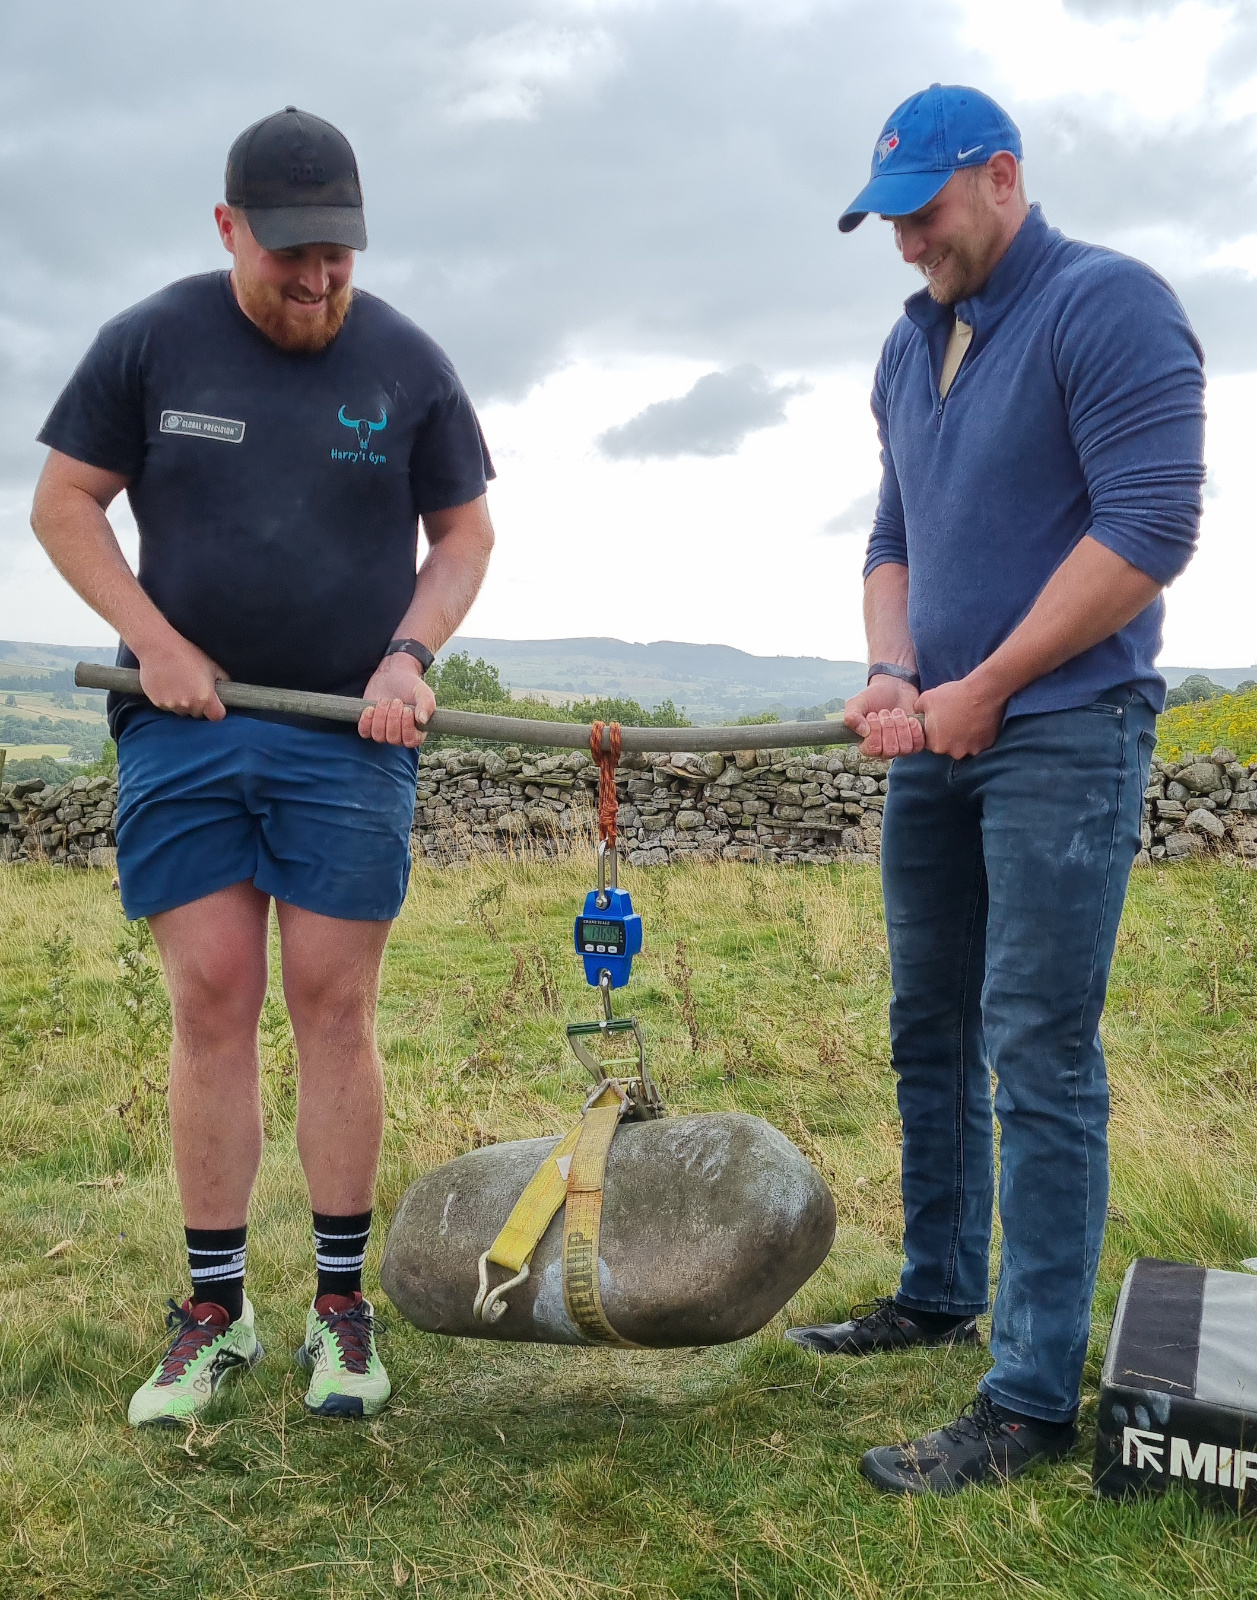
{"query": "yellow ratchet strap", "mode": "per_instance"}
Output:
(582, 1221)
(534, 1210)
(573, 1171)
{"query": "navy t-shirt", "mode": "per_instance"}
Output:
(277, 494)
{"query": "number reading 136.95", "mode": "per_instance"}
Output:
(595, 937)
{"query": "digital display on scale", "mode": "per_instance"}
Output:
(600, 938)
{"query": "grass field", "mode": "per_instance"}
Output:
(504, 1471)
(30, 706)
(32, 752)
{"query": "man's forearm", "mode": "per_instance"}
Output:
(1091, 596)
(886, 616)
(69, 520)
(451, 574)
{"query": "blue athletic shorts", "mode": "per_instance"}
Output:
(319, 820)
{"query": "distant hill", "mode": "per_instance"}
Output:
(712, 681)
(1225, 677)
(15, 654)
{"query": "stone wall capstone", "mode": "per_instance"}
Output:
(766, 805)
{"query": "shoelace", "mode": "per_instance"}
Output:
(880, 1311)
(352, 1331)
(979, 1420)
(192, 1338)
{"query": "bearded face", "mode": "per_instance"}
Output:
(958, 270)
(299, 298)
(287, 317)
(955, 241)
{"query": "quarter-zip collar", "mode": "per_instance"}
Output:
(997, 296)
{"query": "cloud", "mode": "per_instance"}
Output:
(556, 178)
(711, 419)
(857, 517)
(1103, 10)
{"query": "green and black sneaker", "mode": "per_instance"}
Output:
(205, 1349)
(347, 1377)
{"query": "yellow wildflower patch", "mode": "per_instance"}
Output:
(1230, 720)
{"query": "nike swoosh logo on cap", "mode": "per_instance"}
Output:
(963, 155)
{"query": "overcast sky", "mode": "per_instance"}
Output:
(618, 217)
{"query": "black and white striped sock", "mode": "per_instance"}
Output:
(340, 1245)
(216, 1259)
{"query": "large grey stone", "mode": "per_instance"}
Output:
(709, 1225)
(1183, 844)
(1204, 822)
(655, 857)
(1201, 777)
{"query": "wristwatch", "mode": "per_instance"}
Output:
(412, 647)
(887, 669)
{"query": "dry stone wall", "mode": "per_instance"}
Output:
(767, 805)
(1204, 805)
(69, 823)
(744, 806)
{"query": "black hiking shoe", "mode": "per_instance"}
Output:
(983, 1445)
(876, 1328)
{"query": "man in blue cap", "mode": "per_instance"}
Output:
(1040, 410)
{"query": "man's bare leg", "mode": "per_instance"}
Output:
(214, 955)
(331, 972)
(331, 982)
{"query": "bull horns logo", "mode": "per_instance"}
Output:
(363, 427)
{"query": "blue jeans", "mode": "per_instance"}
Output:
(1004, 877)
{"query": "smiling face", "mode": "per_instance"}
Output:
(956, 240)
(299, 298)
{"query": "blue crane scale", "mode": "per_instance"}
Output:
(608, 935)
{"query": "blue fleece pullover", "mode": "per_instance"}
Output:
(1078, 409)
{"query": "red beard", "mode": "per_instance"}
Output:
(271, 311)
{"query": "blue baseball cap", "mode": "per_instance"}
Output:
(925, 140)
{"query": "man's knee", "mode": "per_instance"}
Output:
(217, 996)
(331, 976)
(333, 1005)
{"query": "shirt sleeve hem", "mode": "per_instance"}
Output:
(86, 455)
(1141, 557)
(455, 497)
(883, 558)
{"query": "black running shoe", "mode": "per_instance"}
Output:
(876, 1328)
(981, 1446)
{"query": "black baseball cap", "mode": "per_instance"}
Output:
(296, 179)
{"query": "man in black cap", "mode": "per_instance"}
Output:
(282, 437)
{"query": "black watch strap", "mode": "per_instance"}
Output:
(887, 669)
(412, 647)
